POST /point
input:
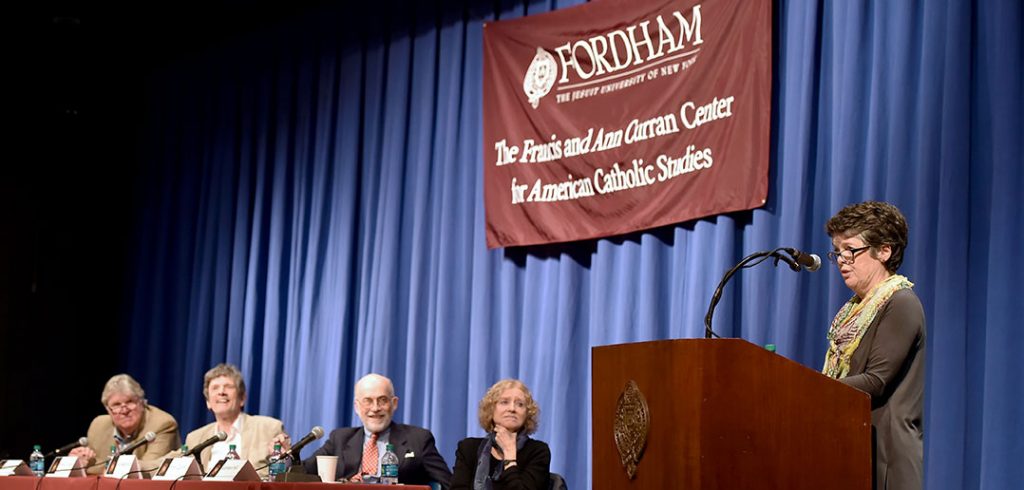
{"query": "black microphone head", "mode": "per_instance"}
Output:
(815, 263)
(313, 435)
(146, 439)
(221, 435)
(810, 262)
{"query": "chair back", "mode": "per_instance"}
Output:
(557, 482)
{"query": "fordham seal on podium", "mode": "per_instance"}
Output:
(632, 421)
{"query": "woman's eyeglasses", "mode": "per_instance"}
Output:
(846, 256)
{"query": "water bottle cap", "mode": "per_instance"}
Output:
(37, 447)
(389, 447)
(769, 347)
(231, 447)
(277, 446)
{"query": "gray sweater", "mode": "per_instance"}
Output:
(889, 365)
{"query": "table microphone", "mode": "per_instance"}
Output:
(137, 444)
(313, 435)
(219, 436)
(82, 441)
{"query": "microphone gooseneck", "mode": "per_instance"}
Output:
(796, 261)
(194, 451)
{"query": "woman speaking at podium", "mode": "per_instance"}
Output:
(877, 340)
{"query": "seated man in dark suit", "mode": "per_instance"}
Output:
(359, 449)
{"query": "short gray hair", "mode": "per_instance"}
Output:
(122, 384)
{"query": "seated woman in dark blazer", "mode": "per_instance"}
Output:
(506, 458)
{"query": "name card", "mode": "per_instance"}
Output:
(232, 470)
(64, 467)
(123, 466)
(178, 468)
(14, 467)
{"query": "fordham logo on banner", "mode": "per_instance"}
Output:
(623, 115)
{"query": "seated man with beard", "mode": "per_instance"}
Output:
(359, 449)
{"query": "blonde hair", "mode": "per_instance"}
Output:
(490, 399)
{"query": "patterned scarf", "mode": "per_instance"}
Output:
(484, 478)
(852, 321)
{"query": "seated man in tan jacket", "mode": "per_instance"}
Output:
(128, 419)
(253, 435)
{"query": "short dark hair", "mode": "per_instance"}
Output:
(877, 223)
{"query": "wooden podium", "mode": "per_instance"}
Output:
(726, 414)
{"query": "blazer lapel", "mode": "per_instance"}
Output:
(400, 440)
(207, 452)
(353, 454)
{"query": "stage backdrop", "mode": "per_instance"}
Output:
(313, 210)
(623, 115)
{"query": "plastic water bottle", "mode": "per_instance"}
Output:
(110, 460)
(36, 462)
(389, 466)
(278, 465)
(232, 453)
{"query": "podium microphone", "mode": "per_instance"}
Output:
(137, 444)
(313, 435)
(810, 262)
(67, 447)
(796, 261)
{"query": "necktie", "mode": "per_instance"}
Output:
(370, 456)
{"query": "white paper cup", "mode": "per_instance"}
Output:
(326, 467)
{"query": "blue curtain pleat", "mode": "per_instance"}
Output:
(312, 210)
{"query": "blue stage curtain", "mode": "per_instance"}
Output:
(311, 210)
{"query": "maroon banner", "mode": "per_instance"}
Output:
(623, 115)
